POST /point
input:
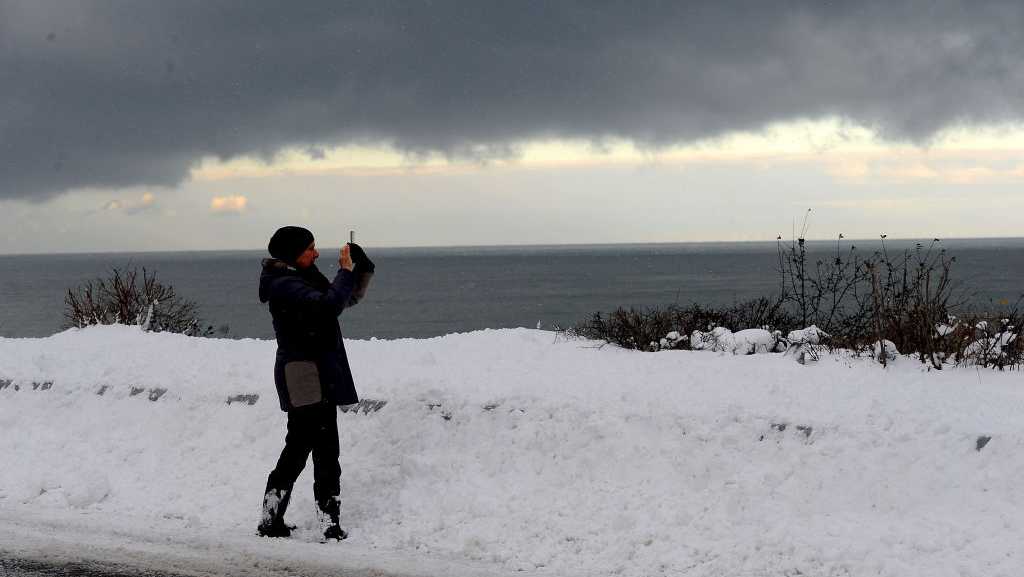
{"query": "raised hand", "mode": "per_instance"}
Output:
(345, 260)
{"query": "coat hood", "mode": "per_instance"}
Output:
(272, 268)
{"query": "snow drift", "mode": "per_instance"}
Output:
(516, 451)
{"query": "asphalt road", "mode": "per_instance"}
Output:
(31, 548)
(16, 567)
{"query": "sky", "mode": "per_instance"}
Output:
(199, 125)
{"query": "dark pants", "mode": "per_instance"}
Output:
(310, 429)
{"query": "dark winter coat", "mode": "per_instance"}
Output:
(305, 308)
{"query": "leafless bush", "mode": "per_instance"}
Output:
(913, 293)
(644, 329)
(627, 328)
(763, 312)
(697, 318)
(125, 298)
(826, 293)
(863, 302)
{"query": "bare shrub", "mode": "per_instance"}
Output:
(829, 294)
(824, 294)
(644, 329)
(908, 297)
(764, 312)
(627, 328)
(863, 303)
(125, 298)
(697, 318)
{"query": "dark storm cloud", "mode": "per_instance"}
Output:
(126, 93)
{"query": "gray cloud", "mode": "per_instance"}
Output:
(143, 204)
(110, 94)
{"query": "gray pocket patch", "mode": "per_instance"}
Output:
(303, 382)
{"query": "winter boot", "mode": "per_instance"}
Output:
(328, 511)
(275, 502)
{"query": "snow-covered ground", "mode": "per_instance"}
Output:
(506, 451)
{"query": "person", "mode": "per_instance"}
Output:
(311, 371)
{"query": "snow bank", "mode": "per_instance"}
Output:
(519, 452)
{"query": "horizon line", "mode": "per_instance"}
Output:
(528, 245)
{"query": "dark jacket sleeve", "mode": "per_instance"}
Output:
(359, 290)
(335, 298)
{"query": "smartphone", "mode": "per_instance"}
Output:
(351, 236)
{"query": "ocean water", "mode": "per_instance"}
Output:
(425, 292)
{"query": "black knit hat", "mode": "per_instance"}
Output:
(289, 242)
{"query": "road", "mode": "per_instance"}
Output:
(17, 567)
(33, 545)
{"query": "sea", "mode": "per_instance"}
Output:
(428, 292)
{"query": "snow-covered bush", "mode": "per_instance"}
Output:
(645, 329)
(670, 341)
(884, 350)
(947, 328)
(745, 342)
(124, 298)
(846, 300)
(716, 339)
(804, 345)
(811, 335)
(988, 349)
(992, 347)
(757, 341)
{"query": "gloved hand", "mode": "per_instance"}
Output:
(362, 262)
